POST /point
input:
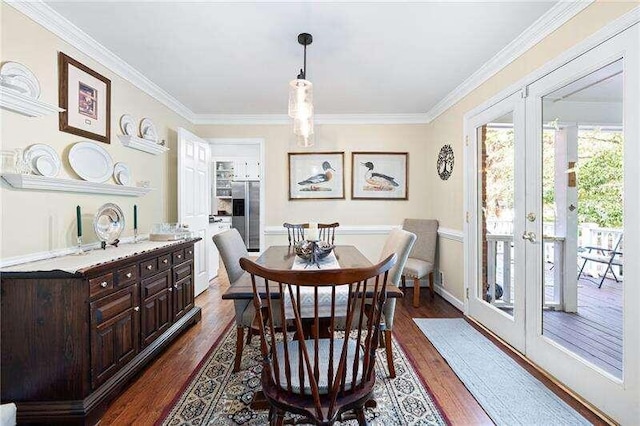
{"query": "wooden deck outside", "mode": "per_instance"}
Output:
(595, 331)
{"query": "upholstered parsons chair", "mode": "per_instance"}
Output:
(399, 242)
(232, 249)
(422, 257)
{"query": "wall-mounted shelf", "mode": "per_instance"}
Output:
(25, 105)
(224, 197)
(68, 185)
(142, 144)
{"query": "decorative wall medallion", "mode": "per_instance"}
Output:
(445, 162)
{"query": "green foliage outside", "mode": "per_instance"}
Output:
(599, 174)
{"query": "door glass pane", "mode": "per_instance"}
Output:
(496, 162)
(582, 198)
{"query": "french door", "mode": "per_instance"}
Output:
(554, 232)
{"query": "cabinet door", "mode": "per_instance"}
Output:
(114, 333)
(182, 297)
(156, 307)
(253, 170)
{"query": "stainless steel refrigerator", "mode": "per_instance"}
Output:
(246, 212)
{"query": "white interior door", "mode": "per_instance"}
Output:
(495, 199)
(583, 120)
(194, 189)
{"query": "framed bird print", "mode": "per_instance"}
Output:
(316, 175)
(379, 176)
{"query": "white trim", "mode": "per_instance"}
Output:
(608, 31)
(44, 183)
(451, 234)
(446, 233)
(457, 303)
(43, 255)
(44, 15)
(342, 230)
(553, 19)
(25, 105)
(284, 119)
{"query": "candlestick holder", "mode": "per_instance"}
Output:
(79, 250)
(135, 236)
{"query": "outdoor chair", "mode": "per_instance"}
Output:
(325, 375)
(602, 255)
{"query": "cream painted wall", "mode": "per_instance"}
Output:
(37, 221)
(448, 127)
(347, 138)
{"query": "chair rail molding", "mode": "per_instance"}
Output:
(446, 233)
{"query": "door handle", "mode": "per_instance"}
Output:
(530, 236)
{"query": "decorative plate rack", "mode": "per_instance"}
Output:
(142, 144)
(25, 105)
(43, 183)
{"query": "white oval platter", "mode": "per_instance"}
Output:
(91, 162)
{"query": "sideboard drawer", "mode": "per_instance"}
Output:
(101, 285)
(183, 271)
(149, 267)
(188, 253)
(164, 262)
(127, 275)
(178, 257)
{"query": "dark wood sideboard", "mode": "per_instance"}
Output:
(71, 342)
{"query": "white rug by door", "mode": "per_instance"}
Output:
(505, 390)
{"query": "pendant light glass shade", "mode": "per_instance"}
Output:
(300, 99)
(303, 126)
(304, 141)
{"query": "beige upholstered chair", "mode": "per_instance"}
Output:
(399, 242)
(232, 248)
(422, 257)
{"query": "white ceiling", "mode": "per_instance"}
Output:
(366, 58)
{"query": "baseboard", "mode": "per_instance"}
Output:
(457, 303)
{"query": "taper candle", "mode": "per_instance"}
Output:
(135, 216)
(79, 220)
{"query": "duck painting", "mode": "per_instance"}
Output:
(378, 181)
(312, 183)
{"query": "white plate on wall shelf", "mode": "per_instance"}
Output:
(122, 174)
(19, 78)
(148, 130)
(91, 162)
(48, 168)
(128, 125)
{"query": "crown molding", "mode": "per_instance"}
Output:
(44, 15)
(553, 19)
(256, 119)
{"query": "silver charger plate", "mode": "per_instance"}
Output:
(108, 223)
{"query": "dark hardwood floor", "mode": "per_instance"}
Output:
(156, 386)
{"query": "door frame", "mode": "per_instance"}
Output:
(263, 178)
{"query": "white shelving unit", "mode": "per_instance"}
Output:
(25, 105)
(43, 183)
(142, 144)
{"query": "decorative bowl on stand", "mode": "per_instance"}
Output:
(312, 251)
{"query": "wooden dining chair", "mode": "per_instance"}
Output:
(331, 372)
(326, 231)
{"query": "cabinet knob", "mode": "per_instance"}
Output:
(137, 308)
(104, 284)
(170, 288)
(165, 261)
(149, 267)
(129, 275)
(175, 286)
(179, 256)
(190, 252)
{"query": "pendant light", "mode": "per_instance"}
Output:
(301, 100)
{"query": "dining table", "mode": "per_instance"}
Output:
(284, 258)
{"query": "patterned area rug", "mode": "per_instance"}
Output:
(215, 395)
